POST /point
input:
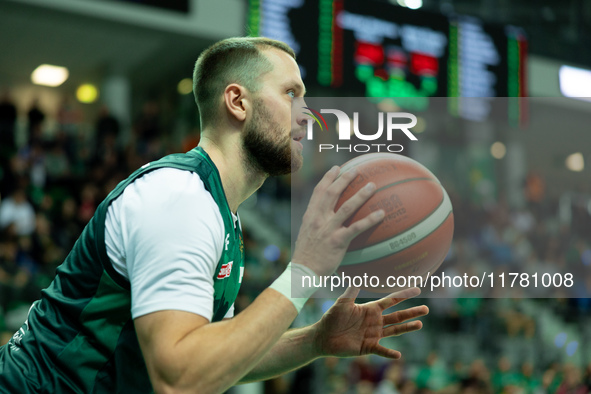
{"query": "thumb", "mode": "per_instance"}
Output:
(350, 294)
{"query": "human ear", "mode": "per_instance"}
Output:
(235, 101)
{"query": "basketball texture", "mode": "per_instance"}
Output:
(417, 230)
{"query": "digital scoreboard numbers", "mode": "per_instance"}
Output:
(390, 51)
(486, 61)
(288, 21)
(375, 49)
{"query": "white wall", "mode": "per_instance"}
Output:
(542, 81)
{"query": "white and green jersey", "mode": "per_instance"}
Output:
(80, 337)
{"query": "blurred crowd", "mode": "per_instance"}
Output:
(51, 184)
(472, 343)
(52, 181)
(435, 376)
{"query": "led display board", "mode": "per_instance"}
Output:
(376, 49)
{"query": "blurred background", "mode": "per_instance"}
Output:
(91, 90)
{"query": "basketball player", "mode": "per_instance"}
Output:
(144, 301)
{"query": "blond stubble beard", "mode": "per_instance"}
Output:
(266, 146)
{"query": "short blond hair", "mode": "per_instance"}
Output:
(233, 60)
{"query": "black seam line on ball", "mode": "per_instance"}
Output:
(404, 181)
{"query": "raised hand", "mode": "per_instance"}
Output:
(323, 239)
(348, 329)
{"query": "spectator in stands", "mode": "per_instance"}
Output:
(433, 375)
(14, 280)
(529, 379)
(478, 377)
(148, 131)
(361, 369)
(106, 125)
(504, 376)
(392, 380)
(56, 161)
(69, 116)
(7, 126)
(107, 153)
(587, 377)
(67, 228)
(572, 383)
(17, 211)
(35, 117)
(88, 204)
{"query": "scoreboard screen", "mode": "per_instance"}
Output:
(376, 49)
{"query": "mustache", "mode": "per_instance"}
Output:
(299, 130)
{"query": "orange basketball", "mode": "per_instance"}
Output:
(417, 230)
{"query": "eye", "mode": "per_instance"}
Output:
(291, 93)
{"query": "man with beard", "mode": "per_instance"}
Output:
(145, 299)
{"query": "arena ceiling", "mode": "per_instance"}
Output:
(90, 47)
(32, 32)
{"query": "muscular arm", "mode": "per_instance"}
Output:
(193, 356)
(184, 353)
(347, 329)
(294, 349)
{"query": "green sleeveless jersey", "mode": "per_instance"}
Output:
(80, 337)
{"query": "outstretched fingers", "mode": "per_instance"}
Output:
(404, 315)
(396, 323)
(397, 297)
(400, 329)
(395, 330)
(388, 353)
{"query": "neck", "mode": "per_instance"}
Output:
(238, 179)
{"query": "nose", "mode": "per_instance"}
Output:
(299, 111)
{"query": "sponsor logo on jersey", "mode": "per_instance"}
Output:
(226, 270)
